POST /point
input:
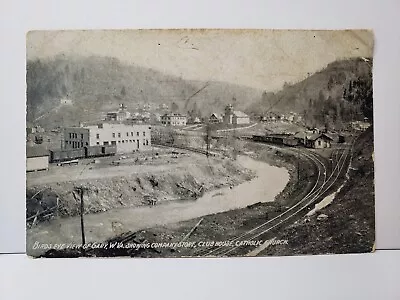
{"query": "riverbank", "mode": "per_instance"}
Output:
(218, 226)
(228, 225)
(267, 183)
(173, 177)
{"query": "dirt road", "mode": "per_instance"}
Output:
(87, 171)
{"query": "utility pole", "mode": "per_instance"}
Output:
(234, 140)
(234, 128)
(208, 137)
(298, 167)
(82, 223)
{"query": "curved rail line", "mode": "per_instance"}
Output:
(315, 189)
(314, 195)
(339, 166)
(321, 186)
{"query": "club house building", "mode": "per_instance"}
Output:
(127, 137)
(173, 120)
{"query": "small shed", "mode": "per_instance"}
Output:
(37, 158)
(318, 141)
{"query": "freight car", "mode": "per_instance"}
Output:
(290, 141)
(285, 140)
(66, 154)
(63, 155)
(93, 151)
(109, 150)
(98, 151)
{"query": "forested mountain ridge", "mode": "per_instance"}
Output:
(97, 84)
(339, 93)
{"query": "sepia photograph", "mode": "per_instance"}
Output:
(199, 143)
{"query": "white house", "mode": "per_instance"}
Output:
(215, 118)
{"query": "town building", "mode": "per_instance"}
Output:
(298, 119)
(173, 119)
(75, 137)
(235, 117)
(163, 106)
(37, 158)
(269, 117)
(193, 120)
(127, 137)
(138, 118)
(34, 129)
(318, 141)
(215, 118)
(65, 101)
(196, 120)
(155, 117)
(30, 130)
(120, 115)
(360, 125)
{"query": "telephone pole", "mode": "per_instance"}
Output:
(82, 212)
(298, 167)
(234, 121)
(208, 137)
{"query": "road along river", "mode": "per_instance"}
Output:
(269, 182)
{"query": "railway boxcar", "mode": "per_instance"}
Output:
(276, 139)
(55, 155)
(258, 138)
(290, 142)
(76, 153)
(93, 151)
(109, 150)
(268, 139)
(64, 155)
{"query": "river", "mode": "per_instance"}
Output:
(269, 182)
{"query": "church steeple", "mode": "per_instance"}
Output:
(229, 109)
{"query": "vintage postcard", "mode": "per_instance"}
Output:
(199, 143)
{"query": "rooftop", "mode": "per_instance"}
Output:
(173, 115)
(240, 114)
(318, 135)
(110, 123)
(36, 151)
(216, 115)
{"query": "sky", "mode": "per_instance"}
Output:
(263, 59)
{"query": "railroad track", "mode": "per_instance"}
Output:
(322, 186)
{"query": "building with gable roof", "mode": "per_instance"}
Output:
(235, 117)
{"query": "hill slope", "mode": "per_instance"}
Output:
(340, 92)
(98, 84)
(350, 227)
